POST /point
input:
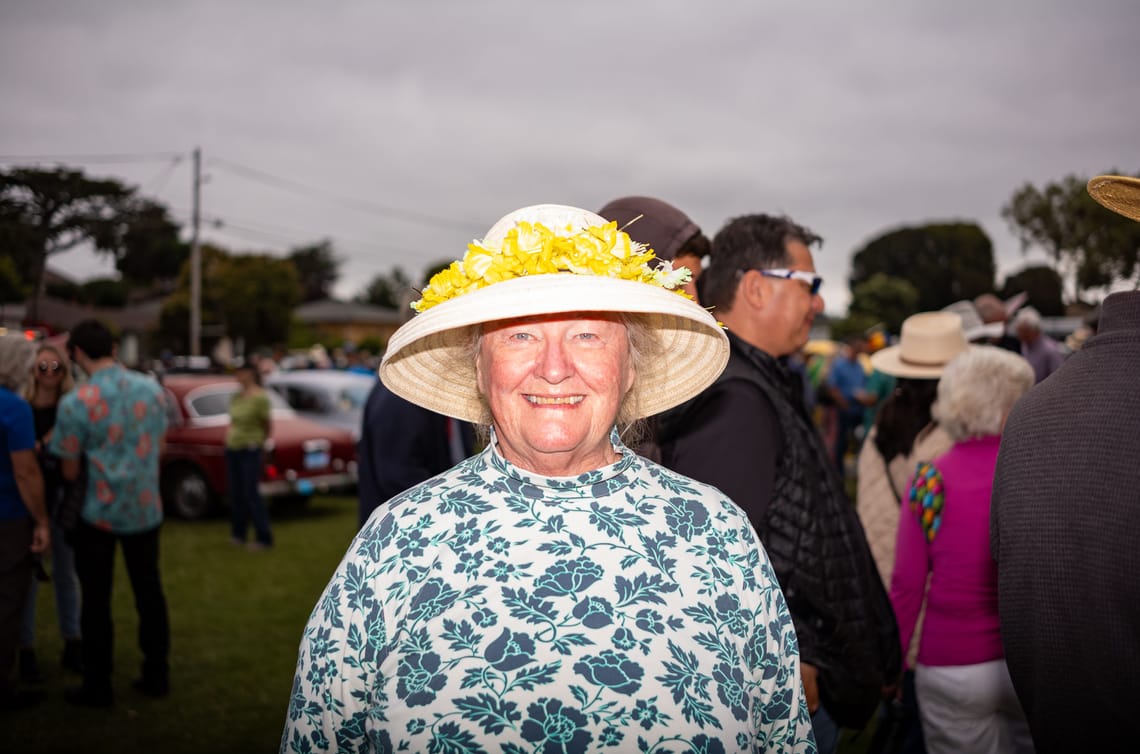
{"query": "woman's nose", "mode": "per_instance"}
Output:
(554, 363)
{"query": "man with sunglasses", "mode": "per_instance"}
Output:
(750, 435)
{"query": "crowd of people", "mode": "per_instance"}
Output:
(594, 514)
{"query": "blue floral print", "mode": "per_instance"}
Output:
(494, 610)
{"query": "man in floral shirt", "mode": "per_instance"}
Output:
(116, 422)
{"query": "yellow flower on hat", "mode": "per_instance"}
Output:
(534, 249)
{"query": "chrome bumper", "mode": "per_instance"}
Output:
(308, 485)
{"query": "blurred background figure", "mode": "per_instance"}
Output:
(663, 228)
(993, 310)
(250, 424)
(401, 445)
(903, 434)
(24, 527)
(846, 381)
(966, 700)
(1064, 530)
(1042, 352)
(50, 380)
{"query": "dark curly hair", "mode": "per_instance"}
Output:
(746, 243)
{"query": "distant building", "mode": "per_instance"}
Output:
(345, 320)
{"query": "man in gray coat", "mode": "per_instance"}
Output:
(1065, 528)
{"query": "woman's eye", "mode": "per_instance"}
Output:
(587, 336)
(520, 336)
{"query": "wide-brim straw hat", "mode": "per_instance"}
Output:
(1120, 193)
(927, 343)
(430, 360)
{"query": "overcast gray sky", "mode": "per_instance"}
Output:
(437, 117)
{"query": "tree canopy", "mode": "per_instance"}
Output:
(1043, 287)
(45, 212)
(883, 299)
(1095, 246)
(388, 291)
(318, 269)
(247, 296)
(944, 262)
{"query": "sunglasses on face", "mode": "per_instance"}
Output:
(811, 280)
(49, 366)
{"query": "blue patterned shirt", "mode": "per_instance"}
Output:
(117, 420)
(493, 610)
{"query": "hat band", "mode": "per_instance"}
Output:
(919, 362)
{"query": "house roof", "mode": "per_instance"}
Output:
(331, 311)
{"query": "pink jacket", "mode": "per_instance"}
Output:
(961, 623)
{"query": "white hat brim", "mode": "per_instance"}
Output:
(429, 360)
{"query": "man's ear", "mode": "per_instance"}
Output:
(752, 287)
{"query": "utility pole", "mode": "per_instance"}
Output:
(196, 262)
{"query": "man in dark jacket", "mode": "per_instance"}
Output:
(401, 445)
(1064, 527)
(750, 435)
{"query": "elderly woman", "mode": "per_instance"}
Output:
(556, 592)
(966, 700)
(24, 526)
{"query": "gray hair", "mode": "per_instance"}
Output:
(978, 389)
(1028, 317)
(16, 355)
(644, 348)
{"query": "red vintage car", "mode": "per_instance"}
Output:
(302, 457)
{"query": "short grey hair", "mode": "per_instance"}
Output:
(978, 389)
(644, 348)
(1028, 317)
(16, 355)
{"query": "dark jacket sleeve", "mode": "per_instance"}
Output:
(732, 441)
(401, 445)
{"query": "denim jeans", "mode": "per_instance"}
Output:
(243, 472)
(825, 730)
(65, 584)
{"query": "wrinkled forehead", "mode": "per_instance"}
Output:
(559, 318)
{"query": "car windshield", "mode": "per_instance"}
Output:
(354, 397)
(216, 402)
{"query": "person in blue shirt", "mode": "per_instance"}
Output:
(846, 383)
(24, 527)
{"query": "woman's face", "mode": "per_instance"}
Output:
(48, 368)
(554, 385)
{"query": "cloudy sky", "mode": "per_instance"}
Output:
(402, 130)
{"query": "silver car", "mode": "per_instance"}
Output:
(328, 396)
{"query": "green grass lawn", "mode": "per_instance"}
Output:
(235, 619)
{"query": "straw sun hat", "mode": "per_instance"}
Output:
(522, 268)
(928, 341)
(1120, 193)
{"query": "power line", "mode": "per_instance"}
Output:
(358, 204)
(94, 159)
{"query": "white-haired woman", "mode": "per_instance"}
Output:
(556, 592)
(24, 526)
(966, 700)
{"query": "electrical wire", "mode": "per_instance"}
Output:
(358, 204)
(93, 159)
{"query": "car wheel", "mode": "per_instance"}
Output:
(187, 494)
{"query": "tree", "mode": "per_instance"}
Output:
(885, 299)
(47, 212)
(106, 292)
(249, 296)
(149, 249)
(945, 262)
(318, 269)
(1093, 245)
(12, 286)
(1043, 286)
(387, 291)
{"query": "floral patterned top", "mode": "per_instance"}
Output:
(117, 419)
(493, 610)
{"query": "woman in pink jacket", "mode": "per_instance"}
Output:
(966, 700)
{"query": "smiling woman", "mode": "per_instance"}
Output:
(556, 592)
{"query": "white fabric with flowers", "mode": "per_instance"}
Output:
(493, 610)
